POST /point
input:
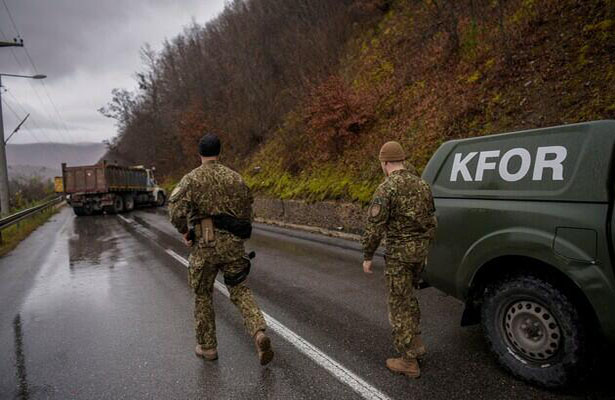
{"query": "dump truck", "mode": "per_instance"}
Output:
(525, 240)
(110, 188)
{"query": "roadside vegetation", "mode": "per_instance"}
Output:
(13, 235)
(304, 93)
(26, 193)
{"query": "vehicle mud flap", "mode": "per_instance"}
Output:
(236, 279)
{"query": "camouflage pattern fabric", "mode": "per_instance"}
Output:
(403, 212)
(240, 295)
(213, 189)
(210, 189)
(404, 311)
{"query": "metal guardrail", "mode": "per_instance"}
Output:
(21, 215)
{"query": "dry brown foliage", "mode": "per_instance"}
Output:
(337, 115)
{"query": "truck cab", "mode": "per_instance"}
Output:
(151, 181)
(157, 192)
(525, 240)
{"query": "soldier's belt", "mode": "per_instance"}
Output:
(241, 228)
(205, 229)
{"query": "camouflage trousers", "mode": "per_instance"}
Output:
(240, 295)
(404, 312)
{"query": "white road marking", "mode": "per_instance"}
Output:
(125, 219)
(336, 369)
(176, 256)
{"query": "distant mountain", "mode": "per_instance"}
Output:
(45, 159)
(52, 155)
(25, 172)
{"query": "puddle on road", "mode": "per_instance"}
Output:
(93, 242)
(91, 249)
(84, 274)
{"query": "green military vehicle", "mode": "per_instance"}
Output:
(526, 240)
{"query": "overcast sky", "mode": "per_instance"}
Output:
(86, 48)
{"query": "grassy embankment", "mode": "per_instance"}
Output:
(531, 64)
(13, 235)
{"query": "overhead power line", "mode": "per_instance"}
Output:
(62, 122)
(11, 109)
(30, 131)
(32, 119)
(65, 152)
(63, 127)
(43, 110)
(11, 18)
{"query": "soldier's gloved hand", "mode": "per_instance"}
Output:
(367, 267)
(187, 240)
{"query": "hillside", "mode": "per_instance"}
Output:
(237, 75)
(304, 112)
(424, 75)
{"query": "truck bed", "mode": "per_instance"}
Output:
(103, 178)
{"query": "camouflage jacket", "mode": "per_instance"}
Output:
(212, 189)
(402, 210)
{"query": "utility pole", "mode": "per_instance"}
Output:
(4, 173)
(4, 170)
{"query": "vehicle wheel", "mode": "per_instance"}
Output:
(78, 211)
(117, 206)
(536, 331)
(129, 203)
(160, 199)
(87, 209)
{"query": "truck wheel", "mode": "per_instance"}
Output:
(160, 199)
(117, 206)
(87, 209)
(129, 203)
(536, 331)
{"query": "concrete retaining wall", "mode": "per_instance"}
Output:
(344, 217)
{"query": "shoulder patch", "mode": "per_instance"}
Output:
(374, 210)
(177, 192)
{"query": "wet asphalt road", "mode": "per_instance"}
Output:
(96, 308)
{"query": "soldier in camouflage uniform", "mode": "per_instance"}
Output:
(402, 210)
(204, 194)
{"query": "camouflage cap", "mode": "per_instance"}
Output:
(392, 151)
